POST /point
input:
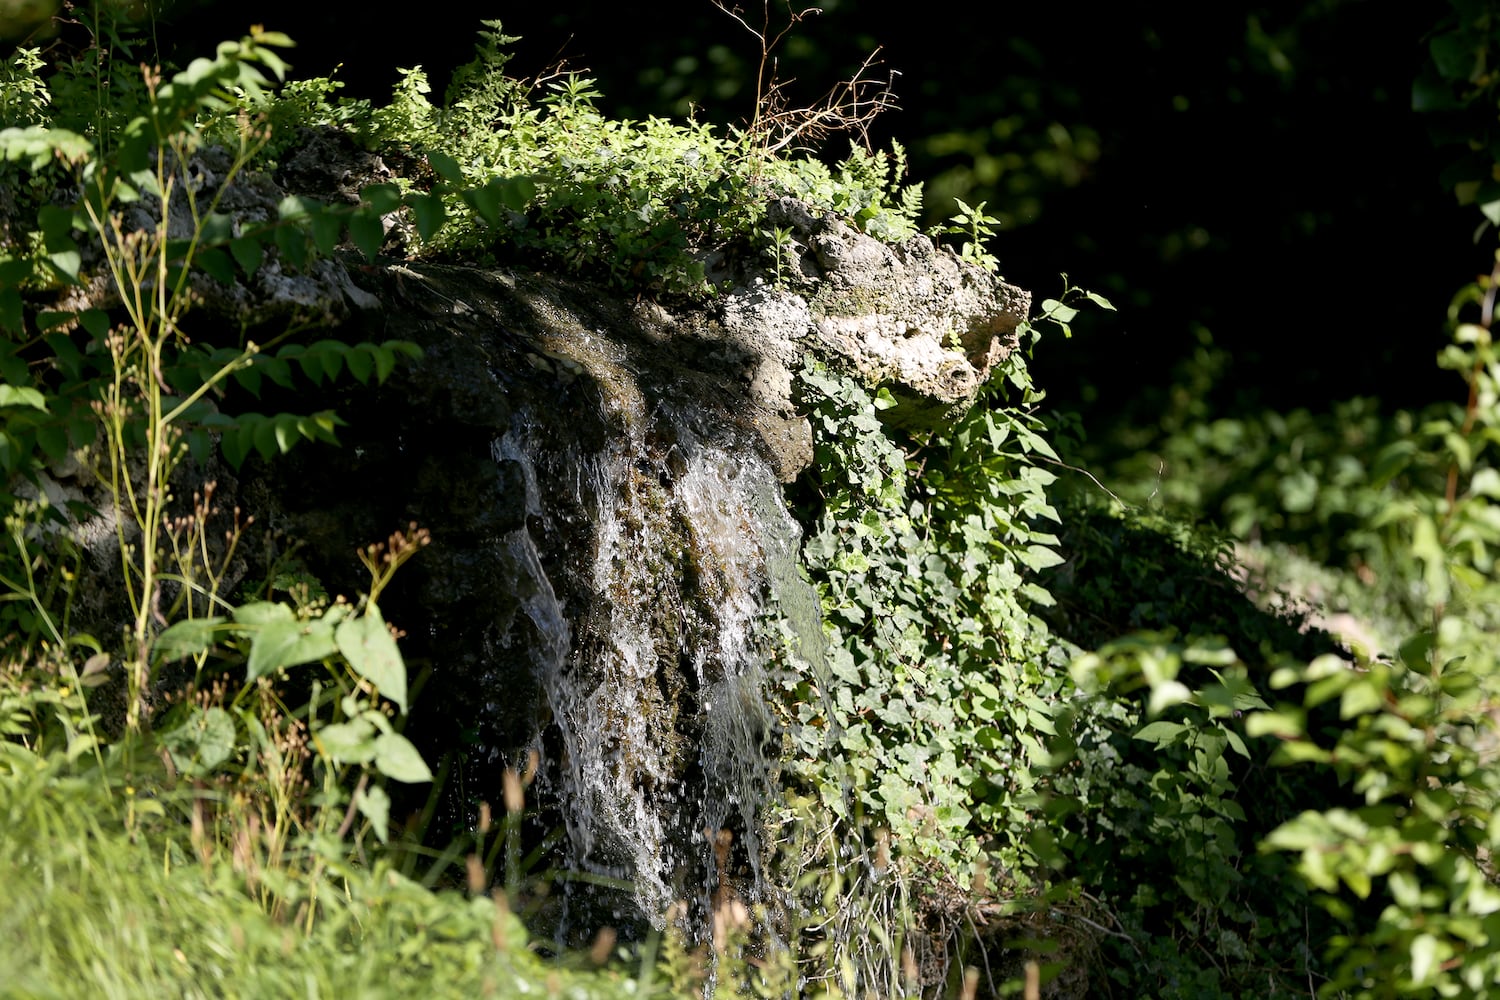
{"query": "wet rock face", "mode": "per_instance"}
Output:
(608, 535)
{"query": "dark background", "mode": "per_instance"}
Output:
(1251, 174)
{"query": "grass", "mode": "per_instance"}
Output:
(101, 895)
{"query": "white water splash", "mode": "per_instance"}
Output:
(677, 580)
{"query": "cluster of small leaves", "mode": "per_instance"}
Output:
(51, 361)
(1395, 851)
(1418, 736)
(939, 690)
(534, 170)
(1159, 800)
(24, 97)
(865, 188)
(271, 639)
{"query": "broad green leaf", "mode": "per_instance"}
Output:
(66, 263)
(216, 264)
(327, 227)
(368, 233)
(247, 253)
(95, 321)
(429, 213)
(11, 395)
(396, 757)
(1161, 733)
(1166, 694)
(332, 353)
(517, 193)
(12, 314)
(205, 740)
(368, 646)
(1424, 958)
(53, 440)
(361, 364)
(187, 638)
(346, 742)
(263, 437)
(280, 644)
(1363, 696)
(285, 426)
(485, 201)
(445, 166)
(263, 613)
(381, 199)
(292, 243)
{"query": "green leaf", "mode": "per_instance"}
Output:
(11, 395)
(66, 264)
(396, 757)
(187, 638)
(204, 741)
(277, 645)
(361, 363)
(445, 166)
(217, 265)
(285, 426)
(429, 212)
(346, 742)
(381, 199)
(332, 353)
(1424, 958)
(247, 253)
(375, 805)
(263, 437)
(1455, 53)
(236, 448)
(327, 227)
(260, 613)
(12, 315)
(1160, 733)
(292, 243)
(368, 233)
(485, 202)
(52, 438)
(517, 193)
(368, 646)
(95, 321)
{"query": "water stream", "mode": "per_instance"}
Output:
(651, 650)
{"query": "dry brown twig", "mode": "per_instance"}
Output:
(848, 107)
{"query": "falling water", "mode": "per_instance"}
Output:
(651, 660)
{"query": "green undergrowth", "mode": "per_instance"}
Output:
(103, 897)
(1053, 737)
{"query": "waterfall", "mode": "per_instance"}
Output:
(652, 661)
